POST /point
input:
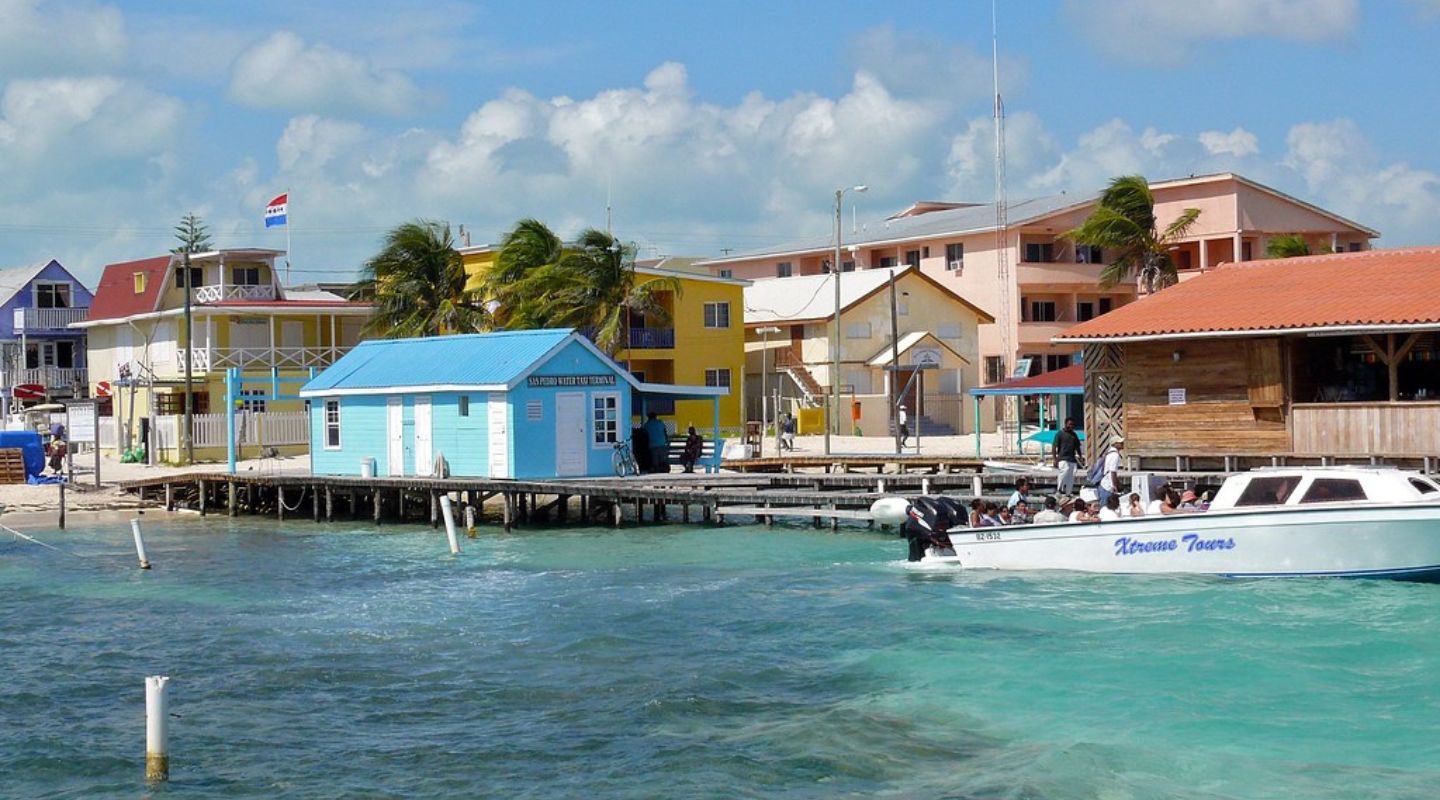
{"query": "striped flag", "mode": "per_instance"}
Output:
(275, 212)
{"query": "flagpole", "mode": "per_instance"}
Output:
(287, 237)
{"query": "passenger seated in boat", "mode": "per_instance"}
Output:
(1021, 493)
(1020, 514)
(1004, 515)
(1168, 502)
(988, 517)
(1088, 509)
(1052, 512)
(1189, 501)
(1133, 509)
(1111, 511)
(977, 507)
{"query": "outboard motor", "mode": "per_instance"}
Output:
(927, 523)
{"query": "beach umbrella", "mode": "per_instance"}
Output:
(1048, 437)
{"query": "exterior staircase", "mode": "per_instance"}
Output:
(927, 427)
(810, 389)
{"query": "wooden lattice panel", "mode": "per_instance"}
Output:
(1104, 397)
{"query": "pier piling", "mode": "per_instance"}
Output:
(449, 514)
(139, 544)
(157, 721)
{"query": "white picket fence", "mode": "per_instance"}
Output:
(274, 428)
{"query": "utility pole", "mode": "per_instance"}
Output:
(193, 239)
(895, 366)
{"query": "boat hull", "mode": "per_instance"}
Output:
(1399, 541)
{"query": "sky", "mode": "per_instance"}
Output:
(709, 126)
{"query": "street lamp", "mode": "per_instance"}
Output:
(835, 270)
(764, 387)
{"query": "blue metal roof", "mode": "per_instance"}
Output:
(481, 359)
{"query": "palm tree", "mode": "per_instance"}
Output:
(1123, 224)
(417, 285)
(539, 282)
(1291, 245)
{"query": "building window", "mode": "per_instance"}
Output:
(1245, 251)
(888, 261)
(1182, 260)
(717, 315)
(925, 251)
(196, 277)
(727, 273)
(1054, 362)
(994, 369)
(245, 276)
(1084, 310)
(1040, 252)
(1089, 254)
(784, 269)
(463, 405)
(1355, 247)
(535, 411)
(847, 266)
(52, 295)
(717, 377)
(605, 416)
(1042, 311)
(1105, 305)
(173, 403)
(255, 401)
(955, 257)
(332, 424)
(912, 258)
(139, 282)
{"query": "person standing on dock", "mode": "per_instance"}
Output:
(1067, 455)
(1110, 469)
(659, 437)
(904, 422)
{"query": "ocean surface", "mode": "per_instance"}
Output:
(321, 661)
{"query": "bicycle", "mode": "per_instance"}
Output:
(624, 460)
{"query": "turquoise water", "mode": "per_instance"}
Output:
(312, 661)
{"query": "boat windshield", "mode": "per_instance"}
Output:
(1268, 491)
(1334, 490)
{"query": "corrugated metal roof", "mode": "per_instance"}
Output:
(950, 222)
(15, 279)
(812, 297)
(1366, 289)
(482, 359)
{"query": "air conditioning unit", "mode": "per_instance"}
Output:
(956, 265)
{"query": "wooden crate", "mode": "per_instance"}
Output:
(12, 465)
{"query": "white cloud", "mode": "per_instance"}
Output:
(40, 38)
(1162, 32)
(60, 123)
(1238, 142)
(284, 72)
(927, 65)
(1342, 172)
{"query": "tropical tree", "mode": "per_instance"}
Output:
(1123, 225)
(1291, 245)
(193, 237)
(592, 284)
(417, 285)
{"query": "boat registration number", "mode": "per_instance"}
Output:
(987, 536)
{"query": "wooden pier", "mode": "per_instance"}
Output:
(508, 504)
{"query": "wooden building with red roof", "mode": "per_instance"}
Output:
(243, 318)
(1315, 358)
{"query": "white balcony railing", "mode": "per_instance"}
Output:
(49, 377)
(218, 358)
(48, 319)
(215, 293)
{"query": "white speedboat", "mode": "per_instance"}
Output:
(1280, 522)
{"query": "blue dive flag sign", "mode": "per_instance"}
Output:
(276, 211)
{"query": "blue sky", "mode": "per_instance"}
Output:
(712, 125)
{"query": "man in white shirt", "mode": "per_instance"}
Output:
(904, 421)
(1110, 472)
(1111, 510)
(1052, 513)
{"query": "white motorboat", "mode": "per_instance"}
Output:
(1277, 522)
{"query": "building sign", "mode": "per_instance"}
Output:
(1177, 397)
(80, 421)
(550, 381)
(925, 357)
(1022, 368)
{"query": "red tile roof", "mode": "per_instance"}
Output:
(116, 297)
(1372, 288)
(1064, 378)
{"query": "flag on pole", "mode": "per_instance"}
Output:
(275, 212)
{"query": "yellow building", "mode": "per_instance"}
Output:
(242, 318)
(702, 343)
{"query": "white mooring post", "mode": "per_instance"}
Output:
(925, 486)
(977, 486)
(470, 521)
(157, 719)
(139, 544)
(449, 513)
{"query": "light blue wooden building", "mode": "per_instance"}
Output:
(515, 404)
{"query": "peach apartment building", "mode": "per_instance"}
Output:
(1052, 283)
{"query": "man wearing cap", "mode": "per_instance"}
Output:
(1110, 472)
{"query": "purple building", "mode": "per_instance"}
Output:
(37, 347)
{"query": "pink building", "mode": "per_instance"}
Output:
(1051, 283)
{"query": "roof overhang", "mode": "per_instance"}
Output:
(346, 310)
(1321, 330)
(906, 343)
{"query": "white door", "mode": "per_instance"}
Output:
(498, 410)
(395, 432)
(570, 438)
(424, 452)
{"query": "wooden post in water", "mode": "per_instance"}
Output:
(509, 519)
(329, 503)
(62, 505)
(280, 503)
(203, 499)
(169, 496)
(616, 514)
(377, 505)
(434, 509)
(230, 501)
(470, 520)
(449, 514)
